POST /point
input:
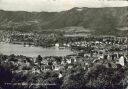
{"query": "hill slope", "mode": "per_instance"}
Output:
(99, 19)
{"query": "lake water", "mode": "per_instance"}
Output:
(7, 49)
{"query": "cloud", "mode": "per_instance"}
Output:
(56, 5)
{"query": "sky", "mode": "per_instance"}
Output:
(56, 5)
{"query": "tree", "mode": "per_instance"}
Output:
(100, 77)
(74, 79)
(5, 75)
(39, 59)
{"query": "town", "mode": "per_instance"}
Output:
(63, 44)
(107, 54)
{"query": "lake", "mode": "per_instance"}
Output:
(7, 49)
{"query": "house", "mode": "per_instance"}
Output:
(60, 75)
(57, 45)
(47, 67)
(35, 70)
(58, 67)
(121, 61)
(71, 60)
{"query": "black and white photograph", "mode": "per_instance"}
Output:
(63, 44)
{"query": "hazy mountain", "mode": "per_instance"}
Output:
(100, 19)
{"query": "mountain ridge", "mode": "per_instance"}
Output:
(99, 19)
